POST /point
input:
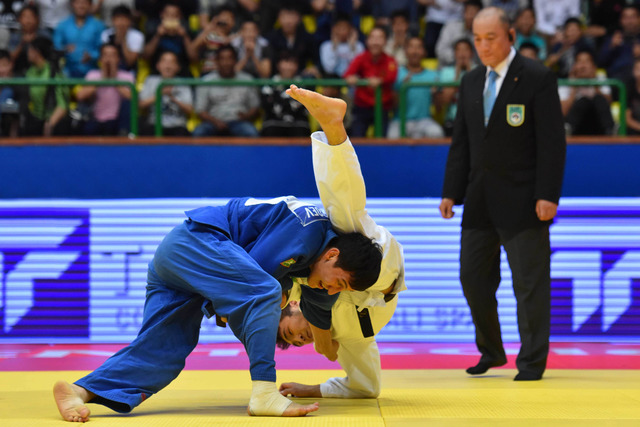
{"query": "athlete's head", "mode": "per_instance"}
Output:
(293, 328)
(350, 262)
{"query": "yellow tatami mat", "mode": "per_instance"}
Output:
(409, 398)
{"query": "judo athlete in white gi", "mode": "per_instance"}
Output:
(357, 316)
(233, 260)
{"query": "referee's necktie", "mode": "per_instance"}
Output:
(490, 96)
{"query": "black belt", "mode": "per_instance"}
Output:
(365, 318)
(208, 310)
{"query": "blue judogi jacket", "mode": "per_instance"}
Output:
(284, 236)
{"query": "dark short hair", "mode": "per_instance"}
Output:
(400, 13)
(287, 55)
(280, 342)
(223, 8)
(175, 55)
(632, 6)
(342, 17)
(4, 54)
(588, 51)
(33, 8)
(476, 3)
(291, 6)
(523, 10)
(463, 41)
(109, 44)
(381, 28)
(43, 45)
(121, 10)
(420, 39)
(172, 3)
(360, 256)
(529, 45)
(572, 20)
(228, 47)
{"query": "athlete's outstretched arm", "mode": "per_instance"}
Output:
(361, 361)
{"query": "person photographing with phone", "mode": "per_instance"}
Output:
(170, 35)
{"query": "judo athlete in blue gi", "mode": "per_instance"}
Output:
(235, 260)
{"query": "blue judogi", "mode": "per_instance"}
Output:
(238, 257)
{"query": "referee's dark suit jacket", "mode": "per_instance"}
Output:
(501, 170)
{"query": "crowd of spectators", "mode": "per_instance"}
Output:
(382, 43)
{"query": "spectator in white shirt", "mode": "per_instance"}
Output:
(399, 36)
(52, 12)
(128, 40)
(177, 101)
(439, 12)
(456, 30)
(552, 14)
(336, 54)
(104, 9)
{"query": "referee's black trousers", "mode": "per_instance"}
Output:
(529, 255)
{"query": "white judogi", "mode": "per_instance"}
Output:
(342, 190)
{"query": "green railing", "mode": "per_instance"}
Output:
(622, 93)
(260, 83)
(622, 97)
(402, 99)
(83, 82)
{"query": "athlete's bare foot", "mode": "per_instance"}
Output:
(71, 400)
(329, 112)
(295, 410)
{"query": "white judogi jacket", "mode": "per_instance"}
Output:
(342, 190)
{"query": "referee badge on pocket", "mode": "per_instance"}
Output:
(515, 114)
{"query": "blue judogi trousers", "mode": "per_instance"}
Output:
(193, 265)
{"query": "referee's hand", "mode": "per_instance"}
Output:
(446, 208)
(546, 210)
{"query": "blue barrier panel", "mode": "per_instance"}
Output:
(148, 171)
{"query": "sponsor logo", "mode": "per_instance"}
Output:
(44, 260)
